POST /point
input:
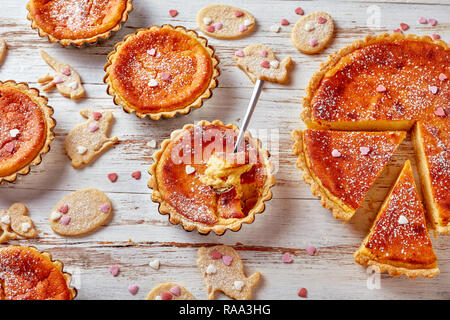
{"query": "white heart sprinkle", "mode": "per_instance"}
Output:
(154, 264)
(247, 22)
(153, 83)
(207, 20)
(189, 169)
(211, 269)
(26, 226)
(309, 27)
(151, 144)
(81, 149)
(5, 219)
(238, 285)
(403, 220)
(14, 132)
(56, 215)
(275, 28)
(274, 64)
(72, 85)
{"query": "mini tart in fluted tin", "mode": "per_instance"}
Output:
(26, 129)
(161, 71)
(75, 22)
(182, 193)
(27, 274)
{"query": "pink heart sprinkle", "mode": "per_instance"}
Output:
(398, 30)
(66, 72)
(440, 112)
(114, 270)
(218, 25)
(165, 76)
(287, 258)
(335, 153)
(175, 290)
(285, 22)
(58, 80)
(265, 64)
(105, 207)
(364, 151)
(93, 127)
(302, 293)
(443, 77)
(238, 13)
(9, 147)
(432, 22)
(215, 254)
(313, 42)
(435, 36)
(239, 53)
(310, 250)
(404, 26)
(136, 175)
(263, 53)
(242, 28)
(112, 177)
(299, 11)
(227, 260)
(64, 209)
(433, 89)
(151, 52)
(96, 115)
(65, 220)
(133, 289)
(321, 20)
(210, 28)
(381, 88)
(173, 13)
(422, 20)
(166, 296)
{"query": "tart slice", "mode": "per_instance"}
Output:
(27, 274)
(431, 142)
(161, 71)
(398, 241)
(26, 129)
(77, 21)
(341, 166)
(199, 182)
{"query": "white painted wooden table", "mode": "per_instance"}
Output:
(294, 218)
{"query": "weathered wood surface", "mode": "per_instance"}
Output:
(293, 219)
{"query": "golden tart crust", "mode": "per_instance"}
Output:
(161, 71)
(76, 21)
(27, 274)
(196, 205)
(27, 113)
(400, 246)
(342, 182)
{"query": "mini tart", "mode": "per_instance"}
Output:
(342, 182)
(27, 274)
(398, 241)
(77, 21)
(343, 93)
(196, 205)
(161, 71)
(27, 112)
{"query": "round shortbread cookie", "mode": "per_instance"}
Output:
(80, 212)
(259, 62)
(313, 32)
(169, 291)
(225, 22)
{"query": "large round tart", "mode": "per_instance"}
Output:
(26, 129)
(189, 178)
(27, 274)
(77, 21)
(161, 71)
